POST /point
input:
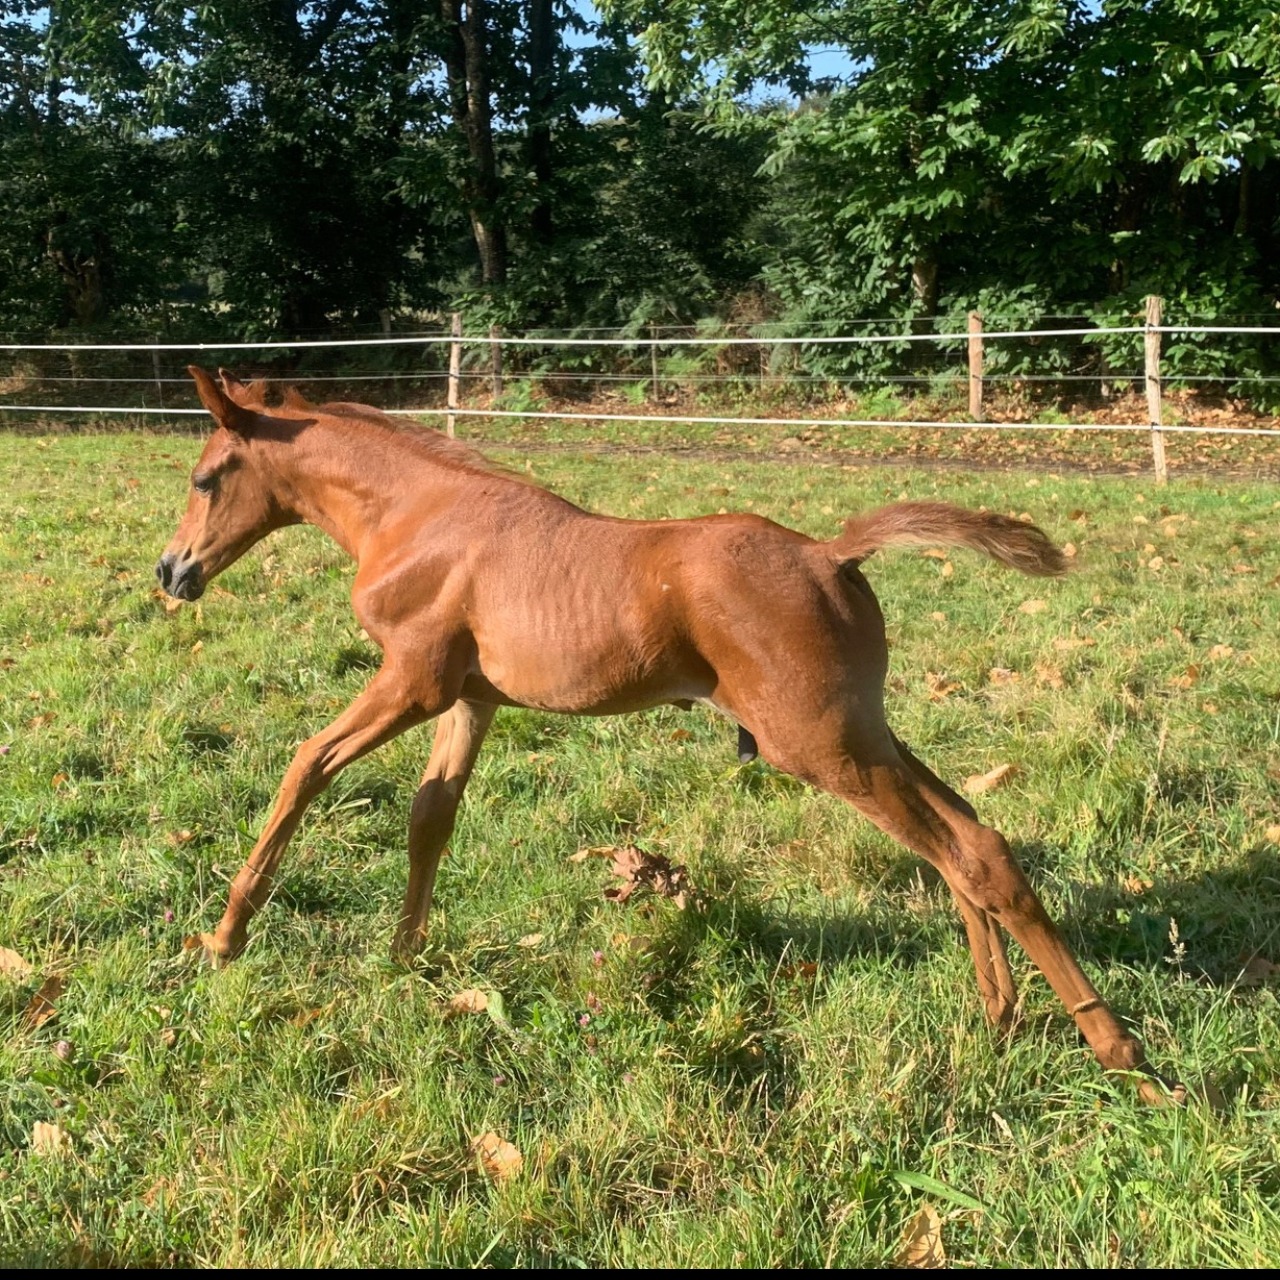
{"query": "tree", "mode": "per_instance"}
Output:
(88, 208)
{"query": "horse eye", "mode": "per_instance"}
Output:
(203, 484)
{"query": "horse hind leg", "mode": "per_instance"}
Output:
(909, 803)
(460, 733)
(986, 942)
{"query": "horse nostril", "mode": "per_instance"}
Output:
(164, 572)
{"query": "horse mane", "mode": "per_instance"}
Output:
(441, 449)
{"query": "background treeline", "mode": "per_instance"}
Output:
(265, 168)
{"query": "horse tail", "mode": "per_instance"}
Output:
(1012, 542)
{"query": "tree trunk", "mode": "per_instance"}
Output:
(466, 63)
(541, 102)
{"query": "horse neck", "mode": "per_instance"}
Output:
(346, 477)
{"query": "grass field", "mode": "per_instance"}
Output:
(787, 1076)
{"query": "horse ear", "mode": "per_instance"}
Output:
(225, 411)
(230, 383)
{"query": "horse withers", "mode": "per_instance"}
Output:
(484, 590)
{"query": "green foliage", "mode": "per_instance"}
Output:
(262, 169)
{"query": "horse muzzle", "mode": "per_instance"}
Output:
(180, 576)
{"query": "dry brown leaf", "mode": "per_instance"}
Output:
(939, 686)
(1220, 651)
(638, 869)
(1002, 675)
(1065, 643)
(299, 1019)
(1050, 675)
(1156, 563)
(947, 569)
(1069, 550)
(1272, 833)
(922, 1243)
(1032, 606)
(938, 616)
(499, 1158)
(12, 965)
(49, 1139)
(1186, 679)
(530, 940)
(44, 718)
(935, 554)
(988, 781)
(469, 1001)
(1255, 971)
(41, 1008)
(596, 851)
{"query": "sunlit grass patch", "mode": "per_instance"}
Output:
(781, 1078)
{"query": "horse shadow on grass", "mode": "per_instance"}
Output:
(1207, 925)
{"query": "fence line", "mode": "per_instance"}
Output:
(974, 336)
(708, 421)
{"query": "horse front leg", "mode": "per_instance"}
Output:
(385, 709)
(460, 734)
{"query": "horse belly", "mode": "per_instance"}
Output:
(602, 675)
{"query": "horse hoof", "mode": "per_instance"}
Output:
(1156, 1091)
(210, 953)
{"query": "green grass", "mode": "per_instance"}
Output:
(782, 1079)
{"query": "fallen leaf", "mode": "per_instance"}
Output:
(12, 965)
(936, 616)
(1156, 563)
(996, 777)
(58, 779)
(1186, 679)
(530, 940)
(639, 869)
(1064, 644)
(922, 1243)
(44, 718)
(947, 569)
(40, 1008)
(1255, 971)
(680, 735)
(1002, 675)
(468, 1001)
(49, 1139)
(935, 554)
(596, 851)
(1273, 833)
(1220, 651)
(1049, 675)
(299, 1019)
(1032, 606)
(939, 686)
(499, 1158)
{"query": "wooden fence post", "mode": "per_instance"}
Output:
(455, 364)
(1151, 341)
(155, 369)
(653, 359)
(975, 365)
(495, 357)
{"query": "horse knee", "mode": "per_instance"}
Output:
(990, 876)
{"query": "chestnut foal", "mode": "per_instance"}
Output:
(484, 590)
